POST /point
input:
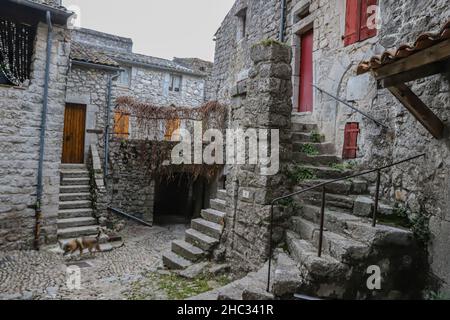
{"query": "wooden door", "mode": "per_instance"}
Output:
(351, 140)
(74, 133)
(306, 73)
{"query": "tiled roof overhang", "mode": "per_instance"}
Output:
(83, 53)
(31, 12)
(424, 41)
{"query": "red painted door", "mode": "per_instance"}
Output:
(306, 73)
(351, 140)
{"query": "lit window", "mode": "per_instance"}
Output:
(125, 77)
(121, 124)
(16, 50)
(175, 83)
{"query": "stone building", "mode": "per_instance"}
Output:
(29, 175)
(88, 71)
(368, 128)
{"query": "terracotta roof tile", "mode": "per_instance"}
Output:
(424, 41)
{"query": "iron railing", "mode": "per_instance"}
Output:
(378, 123)
(322, 212)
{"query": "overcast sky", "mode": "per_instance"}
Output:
(161, 28)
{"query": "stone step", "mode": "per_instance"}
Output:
(82, 204)
(75, 182)
(343, 187)
(173, 261)
(315, 160)
(357, 228)
(219, 205)
(287, 278)
(222, 194)
(200, 240)
(364, 207)
(306, 255)
(76, 222)
(74, 189)
(332, 200)
(75, 213)
(74, 196)
(211, 229)
(76, 232)
(187, 250)
(321, 148)
(337, 246)
(75, 166)
(322, 172)
(305, 137)
(67, 174)
(215, 216)
(304, 127)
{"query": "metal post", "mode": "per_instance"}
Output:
(377, 196)
(270, 247)
(322, 220)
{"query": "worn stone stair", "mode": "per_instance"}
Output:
(75, 216)
(201, 238)
(350, 243)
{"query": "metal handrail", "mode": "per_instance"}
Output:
(322, 214)
(351, 107)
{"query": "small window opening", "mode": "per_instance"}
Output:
(175, 83)
(125, 77)
(242, 24)
(351, 140)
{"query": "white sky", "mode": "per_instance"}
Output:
(160, 28)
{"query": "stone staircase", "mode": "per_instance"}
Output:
(75, 216)
(200, 240)
(350, 243)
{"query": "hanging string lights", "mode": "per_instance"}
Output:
(16, 48)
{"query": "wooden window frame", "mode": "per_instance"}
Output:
(356, 29)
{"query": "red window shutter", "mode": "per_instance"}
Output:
(351, 140)
(306, 72)
(365, 32)
(352, 21)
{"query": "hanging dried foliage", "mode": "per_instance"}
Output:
(153, 152)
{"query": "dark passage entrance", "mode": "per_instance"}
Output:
(179, 200)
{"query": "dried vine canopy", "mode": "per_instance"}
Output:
(147, 145)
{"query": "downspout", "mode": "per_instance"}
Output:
(107, 123)
(282, 20)
(39, 190)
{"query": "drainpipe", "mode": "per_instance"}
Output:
(42, 134)
(107, 122)
(282, 20)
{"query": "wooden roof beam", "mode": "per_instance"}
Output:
(419, 110)
(432, 55)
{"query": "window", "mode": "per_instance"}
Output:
(125, 77)
(172, 126)
(360, 24)
(351, 140)
(121, 124)
(16, 50)
(175, 83)
(242, 24)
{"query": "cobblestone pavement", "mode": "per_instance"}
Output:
(43, 275)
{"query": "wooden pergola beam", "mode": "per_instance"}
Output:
(434, 54)
(419, 110)
(418, 73)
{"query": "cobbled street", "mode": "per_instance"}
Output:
(110, 275)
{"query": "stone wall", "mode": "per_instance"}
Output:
(265, 105)
(20, 111)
